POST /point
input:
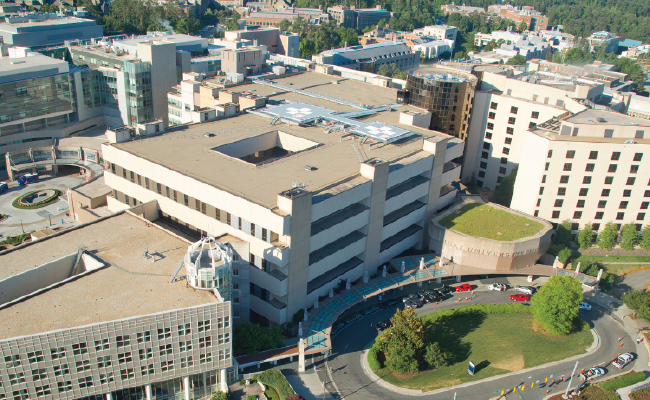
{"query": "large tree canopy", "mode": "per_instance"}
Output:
(555, 306)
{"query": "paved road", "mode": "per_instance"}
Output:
(636, 280)
(354, 384)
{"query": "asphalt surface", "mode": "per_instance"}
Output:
(353, 383)
(636, 280)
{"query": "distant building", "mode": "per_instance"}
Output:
(535, 20)
(370, 57)
(246, 61)
(465, 10)
(438, 32)
(273, 18)
(284, 43)
(434, 48)
(47, 29)
(610, 41)
(507, 37)
(358, 18)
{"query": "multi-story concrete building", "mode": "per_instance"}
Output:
(317, 195)
(506, 37)
(247, 61)
(438, 32)
(465, 10)
(99, 312)
(434, 48)
(284, 43)
(505, 107)
(535, 20)
(370, 57)
(358, 18)
(604, 38)
(47, 29)
(445, 92)
(585, 167)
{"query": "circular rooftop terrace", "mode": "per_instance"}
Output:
(439, 73)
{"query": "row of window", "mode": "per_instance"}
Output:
(634, 168)
(513, 110)
(185, 200)
(561, 191)
(601, 204)
(593, 155)
(620, 216)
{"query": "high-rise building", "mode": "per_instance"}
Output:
(445, 92)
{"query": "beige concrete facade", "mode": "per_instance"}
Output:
(488, 254)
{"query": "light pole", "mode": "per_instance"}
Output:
(566, 394)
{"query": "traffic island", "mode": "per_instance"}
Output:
(498, 339)
(37, 199)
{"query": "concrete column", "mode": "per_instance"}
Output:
(186, 386)
(224, 381)
(420, 284)
(301, 355)
(205, 383)
(147, 391)
(366, 278)
(439, 280)
(383, 272)
(377, 171)
(348, 284)
(458, 278)
(437, 146)
(109, 396)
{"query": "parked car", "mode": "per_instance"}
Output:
(433, 298)
(592, 373)
(392, 303)
(446, 289)
(499, 287)
(370, 310)
(383, 325)
(519, 297)
(525, 289)
(413, 303)
(348, 320)
(584, 306)
(412, 296)
(465, 287)
(3, 187)
(355, 316)
(337, 328)
(623, 360)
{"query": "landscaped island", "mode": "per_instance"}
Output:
(483, 220)
(498, 338)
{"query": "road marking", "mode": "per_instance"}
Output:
(346, 346)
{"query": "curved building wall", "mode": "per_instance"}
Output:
(449, 100)
(488, 254)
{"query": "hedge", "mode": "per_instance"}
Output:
(276, 380)
(251, 397)
(374, 358)
(52, 199)
(623, 381)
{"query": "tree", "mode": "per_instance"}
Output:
(187, 25)
(563, 233)
(555, 306)
(523, 26)
(518, 59)
(435, 356)
(231, 24)
(503, 193)
(349, 36)
(586, 236)
(382, 23)
(252, 338)
(639, 301)
(549, 56)
(298, 316)
(406, 331)
(607, 237)
(220, 396)
(284, 25)
(629, 236)
(564, 255)
(402, 360)
(644, 243)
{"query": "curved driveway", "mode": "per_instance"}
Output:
(354, 384)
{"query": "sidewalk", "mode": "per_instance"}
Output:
(307, 385)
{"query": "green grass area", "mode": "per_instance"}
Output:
(643, 394)
(271, 393)
(488, 222)
(496, 343)
(15, 239)
(592, 392)
(601, 259)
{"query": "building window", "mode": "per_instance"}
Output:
(488, 135)
(77, 349)
(239, 223)
(634, 169)
(583, 191)
(541, 190)
(132, 176)
(612, 168)
(204, 326)
(504, 160)
(159, 188)
(623, 205)
(599, 215)
(586, 180)
(205, 342)
(570, 154)
(491, 115)
(564, 179)
(57, 353)
(609, 180)
(484, 155)
(123, 341)
(228, 219)
(630, 181)
(145, 353)
(510, 130)
(605, 193)
(561, 191)
(175, 197)
(187, 362)
(581, 204)
(508, 140)
(139, 180)
(124, 357)
(593, 155)
(264, 234)
(645, 204)
(83, 365)
(638, 156)
(85, 382)
(506, 151)
(558, 202)
(490, 126)
(640, 216)
(164, 333)
(493, 106)
(556, 214)
(616, 155)
(186, 200)
(647, 193)
(531, 125)
(502, 170)
(513, 110)
(184, 329)
(60, 370)
(165, 349)
(481, 174)
(127, 374)
(627, 193)
(539, 202)
(577, 214)
(535, 115)
(620, 216)
(567, 166)
(486, 146)
(38, 374)
(106, 378)
(609, 133)
(543, 178)
(550, 154)
(602, 203)
(511, 120)
(536, 213)
(144, 337)
(590, 167)
(185, 346)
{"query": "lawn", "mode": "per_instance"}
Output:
(496, 343)
(592, 392)
(488, 222)
(643, 394)
(602, 259)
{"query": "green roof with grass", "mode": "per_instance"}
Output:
(489, 222)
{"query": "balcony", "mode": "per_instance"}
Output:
(403, 234)
(399, 243)
(455, 148)
(341, 223)
(275, 310)
(335, 253)
(406, 192)
(450, 173)
(333, 274)
(410, 214)
(447, 196)
(276, 282)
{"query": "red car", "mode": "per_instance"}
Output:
(519, 297)
(465, 287)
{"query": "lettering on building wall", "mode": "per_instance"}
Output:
(450, 245)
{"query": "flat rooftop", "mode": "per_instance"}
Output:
(34, 24)
(94, 189)
(591, 116)
(334, 159)
(128, 286)
(10, 66)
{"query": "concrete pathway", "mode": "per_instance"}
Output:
(307, 385)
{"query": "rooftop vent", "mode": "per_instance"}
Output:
(600, 119)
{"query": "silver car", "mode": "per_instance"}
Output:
(525, 289)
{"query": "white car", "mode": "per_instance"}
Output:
(592, 374)
(500, 287)
(584, 306)
(623, 360)
(525, 289)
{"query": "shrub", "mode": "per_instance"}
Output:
(623, 381)
(52, 199)
(276, 380)
(555, 249)
(251, 397)
(298, 316)
(375, 357)
(220, 396)
(296, 397)
(435, 357)
(564, 255)
(402, 360)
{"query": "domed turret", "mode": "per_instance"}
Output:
(209, 266)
